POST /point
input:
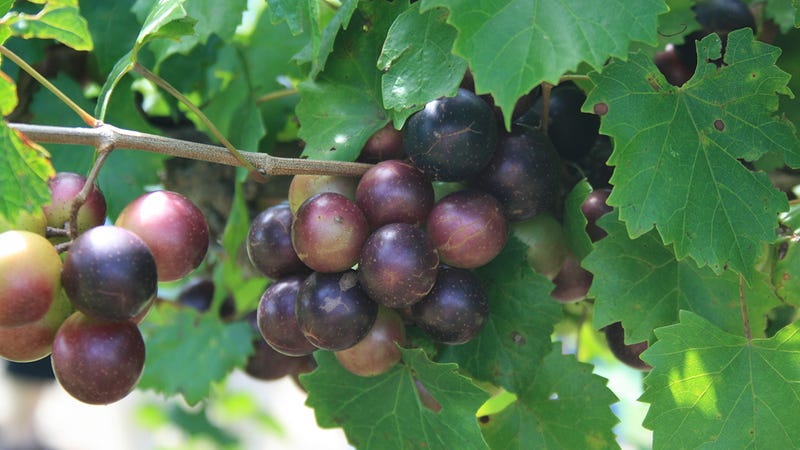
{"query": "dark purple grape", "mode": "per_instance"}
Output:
(332, 310)
(109, 273)
(524, 174)
(97, 361)
(377, 353)
(198, 294)
(269, 243)
(626, 353)
(393, 192)
(456, 309)
(572, 132)
(452, 138)
(383, 145)
(468, 228)
(714, 16)
(398, 265)
(276, 320)
(593, 208)
(266, 363)
(572, 282)
(671, 66)
(328, 232)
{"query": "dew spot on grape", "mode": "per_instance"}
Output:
(601, 109)
(719, 125)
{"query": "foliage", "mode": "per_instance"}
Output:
(692, 251)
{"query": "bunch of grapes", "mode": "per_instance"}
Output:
(85, 308)
(355, 262)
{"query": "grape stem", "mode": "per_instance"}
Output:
(743, 304)
(109, 135)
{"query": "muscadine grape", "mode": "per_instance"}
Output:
(33, 221)
(384, 144)
(626, 353)
(328, 232)
(593, 208)
(572, 282)
(30, 277)
(34, 340)
(109, 273)
(269, 243)
(377, 352)
(198, 294)
(468, 228)
(303, 187)
(98, 361)
(393, 192)
(173, 228)
(277, 322)
(546, 242)
(266, 363)
(64, 187)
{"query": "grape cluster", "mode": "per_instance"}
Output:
(85, 308)
(355, 262)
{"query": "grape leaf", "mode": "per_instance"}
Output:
(386, 411)
(8, 94)
(113, 27)
(640, 283)
(293, 12)
(711, 389)
(60, 20)
(5, 6)
(342, 108)
(677, 23)
(417, 63)
(167, 19)
(324, 30)
(575, 222)
(677, 150)
(24, 171)
(562, 387)
(783, 13)
(521, 318)
(514, 45)
(180, 341)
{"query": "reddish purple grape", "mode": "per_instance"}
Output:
(383, 145)
(377, 353)
(332, 310)
(304, 187)
(109, 273)
(34, 340)
(269, 243)
(394, 192)
(97, 361)
(524, 174)
(456, 309)
(398, 265)
(277, 322)
(63, 189)
(173, 227)
(626, 353)
(593, 208)
(468, 228)
(572, 282)
(328, 232)
(266, 363)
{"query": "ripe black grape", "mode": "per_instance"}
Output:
(626, 353)
(332, 310)
(456, 309)
(593, 208)
(269, 243)
(398, 265)
(452, 138)
(276, 318)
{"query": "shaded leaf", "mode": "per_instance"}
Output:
(59, 20)
(575, 222)
(24, 171)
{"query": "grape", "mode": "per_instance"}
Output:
(30, 277)
(714, 16)
(452, 138)
(304, 187)
(572, 132)
(467, 228)
(34, 340)
(109, 273)
(572, 282)
(626, 353)
(524, 174)
(328, 232)
(377, 353)
(276, 318)
(98, 361)
(269, 243)
(456, 309)
(384, 144)
(398, 265)
(34, 221)
(266, 363)
(63, 189)
(671, 66)
(593, 208)
(173, 228)
(332, 310)
(546, 242)
(393, 192)
(198, 294)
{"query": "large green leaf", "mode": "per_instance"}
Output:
(24, 171)
(640, 283)
(293, 12)
(574, 220)
(113, 27)
(60, 20)
(711, 389)
(386, 411)
(783, 12)
(521, 318)
(561, 388)
(677, 150)
(343, 107)
(514, 45)
(187, 351)
(417, 63)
